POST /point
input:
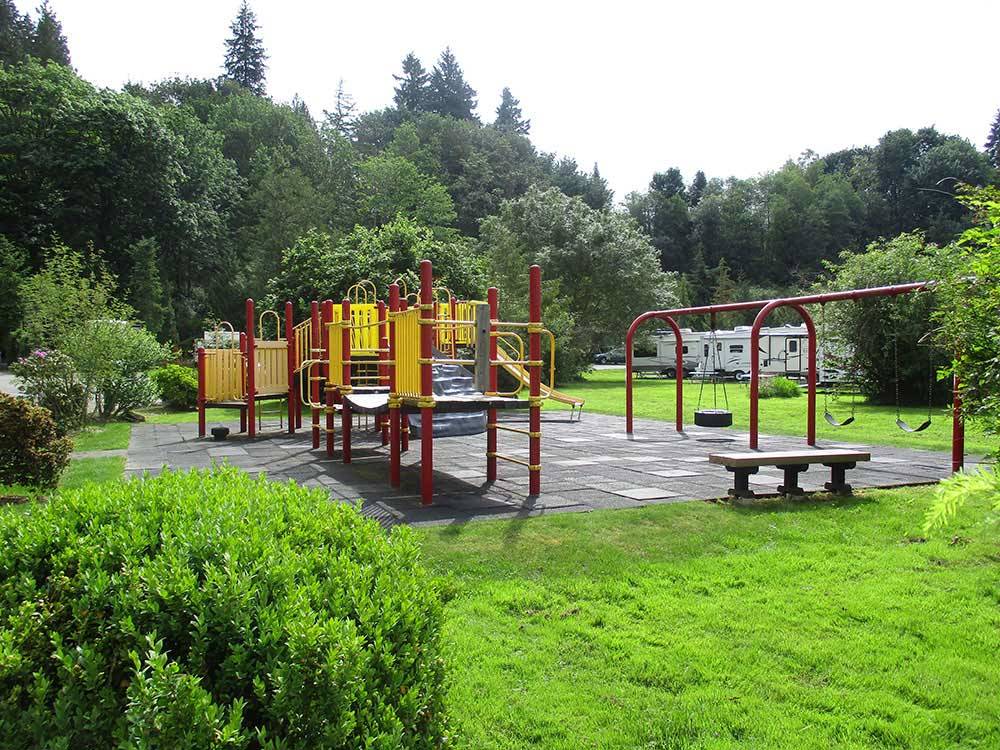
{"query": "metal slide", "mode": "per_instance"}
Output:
(523, 378)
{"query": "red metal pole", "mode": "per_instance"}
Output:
(243, 379)
(330, 394)
(427, 314)
(404, 441)
(755, 368)
(290, 358)
(957, 427)
(395, 412)
(535, 380)
(345, 388)
(383, 369)
(251, 371)
(679, 375)
(493, 300)
(201, 391)
(314, 384)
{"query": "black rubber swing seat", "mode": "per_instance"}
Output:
(832, 420)
(906, 428)
(713, 418)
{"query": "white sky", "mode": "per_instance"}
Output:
(733, 88)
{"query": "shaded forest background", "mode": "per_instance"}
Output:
(197, 193)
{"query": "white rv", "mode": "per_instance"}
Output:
(658, 354)
(784, 350)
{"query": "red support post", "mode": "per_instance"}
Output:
(395, 411)
(755, 369)
(330, 395)
(313, 385)
(404, 439)
(535, 380)
(345, 387)
(251, 371)
(427, 315)
(383, 369)
(201, 391)
(243, 380)
(493, 300)
(957, 427)
(290, 358)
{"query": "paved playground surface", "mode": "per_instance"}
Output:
(586, 465)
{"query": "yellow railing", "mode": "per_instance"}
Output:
(224, 375)
(271, 375)
(303, 343)
(364, 328)
(408, 353)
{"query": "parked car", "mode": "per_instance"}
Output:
(614, 356)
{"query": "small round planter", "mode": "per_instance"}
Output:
(220, 433)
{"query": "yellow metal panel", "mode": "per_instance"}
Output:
(224, 375)
(408, 353)
(364, 327)
(272, 367)
(334, 345)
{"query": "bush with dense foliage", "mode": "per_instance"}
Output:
(211, 610)
(779, 388)
(879, 329)
(49, 378)
(32, 452)
(114, 358)
(968, 313)
(178, 386)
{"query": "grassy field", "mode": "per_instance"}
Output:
(604, 391)
(102, 437)
(815, 624)
(159, 415)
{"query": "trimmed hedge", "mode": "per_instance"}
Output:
(212, 610)
(177, 386)
(779, 387)
(33, 451)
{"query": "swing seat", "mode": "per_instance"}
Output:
(832, 420)
(713, 418)
(906, 428)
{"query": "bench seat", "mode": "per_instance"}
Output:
(742, 465)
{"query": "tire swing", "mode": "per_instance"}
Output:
(900, 422)
(829, 417)
(714, 417)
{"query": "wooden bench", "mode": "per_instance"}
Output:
(792, 463)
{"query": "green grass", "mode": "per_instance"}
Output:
(604, 391)
(103, 437)
(82, 470)
(159, 415)
(809, 625)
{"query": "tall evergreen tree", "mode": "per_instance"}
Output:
(15, 33)
(49, 42)
(342, 119)
(509, 119)
(993, 143)
(412, 92)
(246, 61)
(450, 95)
(598, 195)
(697, 189)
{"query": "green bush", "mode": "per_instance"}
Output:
(957, 490)
(779, 388)
(32, 452)
(212, 610)
(49, 378)
(178, 386)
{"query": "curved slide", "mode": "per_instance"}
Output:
(522, 376)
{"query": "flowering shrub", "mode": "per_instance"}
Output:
(49, 378)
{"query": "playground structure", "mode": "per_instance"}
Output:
(398, 360)
(765, 308)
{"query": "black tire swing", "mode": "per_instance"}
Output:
(714, 417)
(827, 415)
(900, 422)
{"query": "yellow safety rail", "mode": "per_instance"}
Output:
(303, 343)
(277, 325)
(407, 361)
(271, 375)
(451, 328)
(335, 352)
(364, 328)
(224, 379)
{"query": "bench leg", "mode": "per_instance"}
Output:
(791, 483)
(838, 478)
(741, 480)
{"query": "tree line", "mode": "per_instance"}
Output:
(196, 193)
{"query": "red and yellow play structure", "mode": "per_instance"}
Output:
(391, 359)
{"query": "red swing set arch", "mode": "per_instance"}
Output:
(765, 308)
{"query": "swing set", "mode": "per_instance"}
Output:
(765, 308)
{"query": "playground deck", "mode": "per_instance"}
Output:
(586, 465)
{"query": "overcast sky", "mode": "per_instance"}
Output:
(733, 88)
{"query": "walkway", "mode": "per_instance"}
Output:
(585, 466)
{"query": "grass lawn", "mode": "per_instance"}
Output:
(604, 391)
(102, 437)
(814, 624)
(160, 415)
(81, 470)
